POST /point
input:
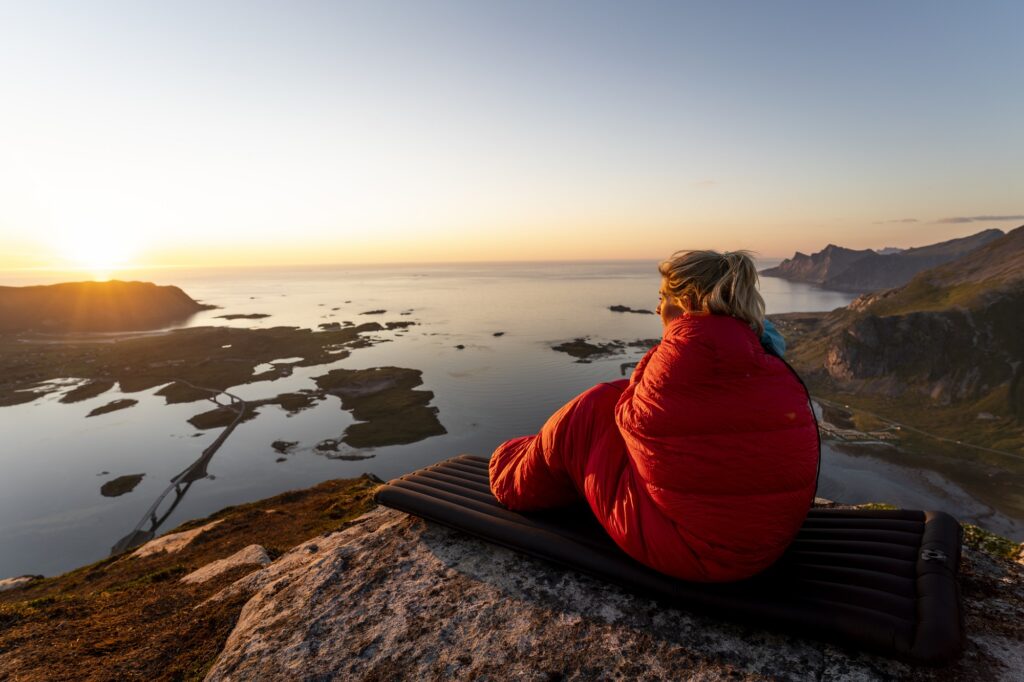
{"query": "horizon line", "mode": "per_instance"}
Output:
(527, 261)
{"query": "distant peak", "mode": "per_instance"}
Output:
(993, 230)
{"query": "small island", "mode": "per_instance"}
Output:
(627, 309)
(584, 350)
(121, 485)
(113, 406)
(243, 316)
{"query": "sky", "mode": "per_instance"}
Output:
(250, 133)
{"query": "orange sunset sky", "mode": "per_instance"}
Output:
(195, 134)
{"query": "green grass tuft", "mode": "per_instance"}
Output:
(990, 543)
(877, 506)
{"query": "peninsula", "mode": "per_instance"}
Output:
(191, 364)
(111, 306)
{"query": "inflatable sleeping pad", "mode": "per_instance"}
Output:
(883, 581)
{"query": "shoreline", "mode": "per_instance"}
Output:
(904, 472)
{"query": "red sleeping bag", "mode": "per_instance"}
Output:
(701, 466)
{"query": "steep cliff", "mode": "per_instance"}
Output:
(858, 271)
(953, 335)
(818, 267)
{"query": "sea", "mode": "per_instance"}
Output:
(483, 340)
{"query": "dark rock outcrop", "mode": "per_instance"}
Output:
(244, 316)
(121, 485)
(584, 350)
(94, 307)
(818, 267)
(112, 406)
(284, 446)
(627, 309)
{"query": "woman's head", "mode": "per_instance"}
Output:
(711, 282)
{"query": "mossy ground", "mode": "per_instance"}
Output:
(957, 423)
(921, 295)
(808, 336)
(132, 619)
(990, 543)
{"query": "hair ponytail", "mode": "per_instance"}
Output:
(722, 283)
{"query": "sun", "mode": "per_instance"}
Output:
(100, 252)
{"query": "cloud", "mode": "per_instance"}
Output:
(897, 220)
(978, 219)
(706, 184)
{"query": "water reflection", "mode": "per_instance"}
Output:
(181, 483)
(492, 389)
(860, 473)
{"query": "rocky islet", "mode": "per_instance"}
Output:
(585, 350)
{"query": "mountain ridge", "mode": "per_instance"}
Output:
(114, 305)
(946, 347)
(842, 269)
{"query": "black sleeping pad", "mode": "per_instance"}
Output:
(880, 580)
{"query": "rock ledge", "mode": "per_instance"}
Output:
(396, 597)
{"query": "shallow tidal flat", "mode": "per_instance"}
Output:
(197, 364)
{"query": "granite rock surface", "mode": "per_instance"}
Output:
(251, 555)
(395, 597)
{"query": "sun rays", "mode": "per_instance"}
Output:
(99, 251)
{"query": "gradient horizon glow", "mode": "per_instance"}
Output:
(231, 133)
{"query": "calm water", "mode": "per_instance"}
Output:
(53, 518)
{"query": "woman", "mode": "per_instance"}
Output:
(703, 465)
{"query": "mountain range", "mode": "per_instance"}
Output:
(951, 337)
(859, 271)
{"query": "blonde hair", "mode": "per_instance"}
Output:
(723, 283)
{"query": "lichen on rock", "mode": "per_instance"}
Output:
(173, 542)
(251, 555)
(395, 597)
